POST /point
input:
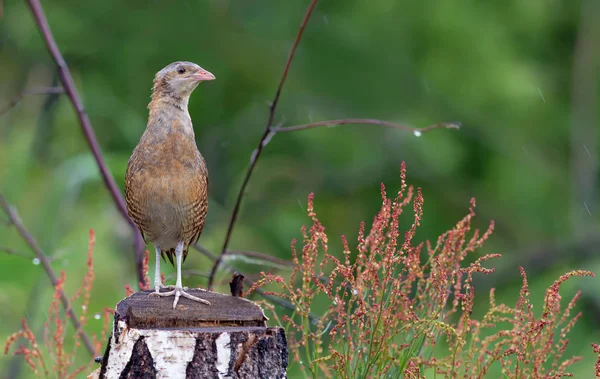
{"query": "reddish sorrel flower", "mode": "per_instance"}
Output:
(397, 308)
(63, 362)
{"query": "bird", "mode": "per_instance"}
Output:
(166, 182)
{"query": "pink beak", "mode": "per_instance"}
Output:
(203, 75)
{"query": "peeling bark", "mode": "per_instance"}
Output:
(227, 340)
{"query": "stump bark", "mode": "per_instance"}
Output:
(228, 339)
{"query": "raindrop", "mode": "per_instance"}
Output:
(97, 316)
(36, 261)
(541, 94)
(587, 208)
(253, 156)
(84, 307)
(417, 133)
(268, 138)
(587, 151)
(355, 292)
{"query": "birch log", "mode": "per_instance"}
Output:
(225, 340)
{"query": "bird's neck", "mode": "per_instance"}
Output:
(169, 114)
(160, 99)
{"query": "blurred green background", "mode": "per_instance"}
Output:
(521, 76)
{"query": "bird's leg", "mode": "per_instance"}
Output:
(158, 284)
(157, 281)
(179, 290)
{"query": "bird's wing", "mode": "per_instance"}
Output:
(198, 210)
(132, 200)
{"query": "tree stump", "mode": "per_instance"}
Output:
(225, 340)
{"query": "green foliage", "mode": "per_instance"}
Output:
(503, 68)
(394, 302)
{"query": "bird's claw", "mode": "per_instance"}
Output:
(172, 287)
(178, 292)
(159, 286)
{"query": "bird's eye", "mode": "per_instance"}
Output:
(181, 70)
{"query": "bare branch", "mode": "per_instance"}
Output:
(187, 273)
(262, 257)
(365, 121)
(11, 251)
(37, 91)
(271, 130)
(88, 131)
(28, 238)
(276, 261)
(267, 134)
(43, 91)
(279, 301)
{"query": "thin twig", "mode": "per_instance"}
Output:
(262, 257)
(37, 91)
(88, 131)
(186, 273)
(10, 251)
(271, 130)
(365, 121)
(28, 238)
(277, 261)
(267, 134)
(279, 301)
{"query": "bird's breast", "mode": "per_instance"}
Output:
(168, 184)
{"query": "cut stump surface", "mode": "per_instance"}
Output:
(227, 339)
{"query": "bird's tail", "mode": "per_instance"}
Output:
(171, 255)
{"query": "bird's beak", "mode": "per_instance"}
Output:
(202, 75)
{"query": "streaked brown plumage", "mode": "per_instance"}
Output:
(166, 184)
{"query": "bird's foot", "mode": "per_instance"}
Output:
(178, 292)
(158, 286)
(171, 287)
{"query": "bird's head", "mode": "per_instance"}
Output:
(179, 79)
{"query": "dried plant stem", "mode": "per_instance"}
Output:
(38, 91)
(274, 299)
(11, 251)
(365, 121)
(28, 238)
(261, 257)
(86, 127)
(267, 134)
(271, 130)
